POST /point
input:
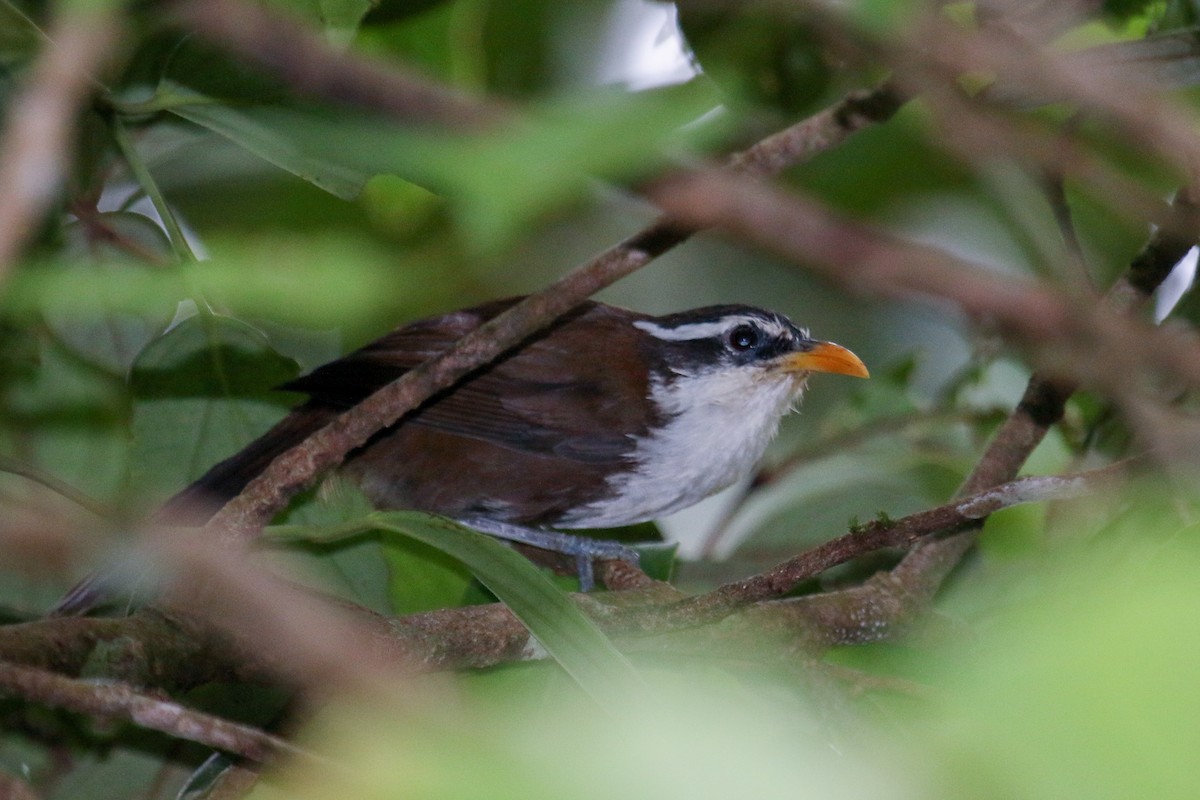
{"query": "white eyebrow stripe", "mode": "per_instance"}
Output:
(704, 330)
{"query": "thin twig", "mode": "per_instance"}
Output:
(119, 701)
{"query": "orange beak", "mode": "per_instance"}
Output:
(825, 357)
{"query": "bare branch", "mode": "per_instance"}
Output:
(118, 701)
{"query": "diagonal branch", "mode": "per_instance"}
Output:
(119, 701)
(286, 49)
(878, 535)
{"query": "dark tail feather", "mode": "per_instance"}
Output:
(198, 502)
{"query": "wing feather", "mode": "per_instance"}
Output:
(536, 399)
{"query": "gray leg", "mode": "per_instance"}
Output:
(584, 549)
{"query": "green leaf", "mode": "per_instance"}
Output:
(108, 333)
(276, 134)
(20, 38)
(66, 417)
(501, 180)
(424, 578)
(356, 567)
(768, 56)
(573, 640)
(323, 280)
(505, 180)
(339, 18)
(202, 391)
(1081, 682)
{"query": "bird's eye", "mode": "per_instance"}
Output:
(743, 338)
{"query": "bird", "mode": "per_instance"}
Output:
(606, 418)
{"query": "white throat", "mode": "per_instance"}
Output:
(720, 423)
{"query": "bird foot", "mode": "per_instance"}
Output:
(585, 550)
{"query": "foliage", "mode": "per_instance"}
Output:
(227, 224)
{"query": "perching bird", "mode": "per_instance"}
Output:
(606, 418)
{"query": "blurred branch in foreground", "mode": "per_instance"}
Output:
(35, 151)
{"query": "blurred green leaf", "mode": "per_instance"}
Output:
(275, 134)
(1084, 688)
(519, 40)
(883, 166)
(762, 56)
(1124, 9)
(569, 637)
(705, 736)
(499, 182)
(341, 18)
(316, 281)
(354, 568)
(67, 417)
(429, 35)
(884, 18)
(108, 334)
(1179, 14)
(202, 391)
(338, 18)
(502, 182)
(20, 37)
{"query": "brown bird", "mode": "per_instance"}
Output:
(606, 418)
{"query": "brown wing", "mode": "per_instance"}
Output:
(546, 397)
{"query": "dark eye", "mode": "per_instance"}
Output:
(743, 338)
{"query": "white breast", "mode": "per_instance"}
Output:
(720, 424)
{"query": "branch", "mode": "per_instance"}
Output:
(311, 66)
(119, 701)
(877, 535)
(34, 151)
(857, 257)
(13, 788)
(280, 632)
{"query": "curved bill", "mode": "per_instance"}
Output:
(825, 357)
